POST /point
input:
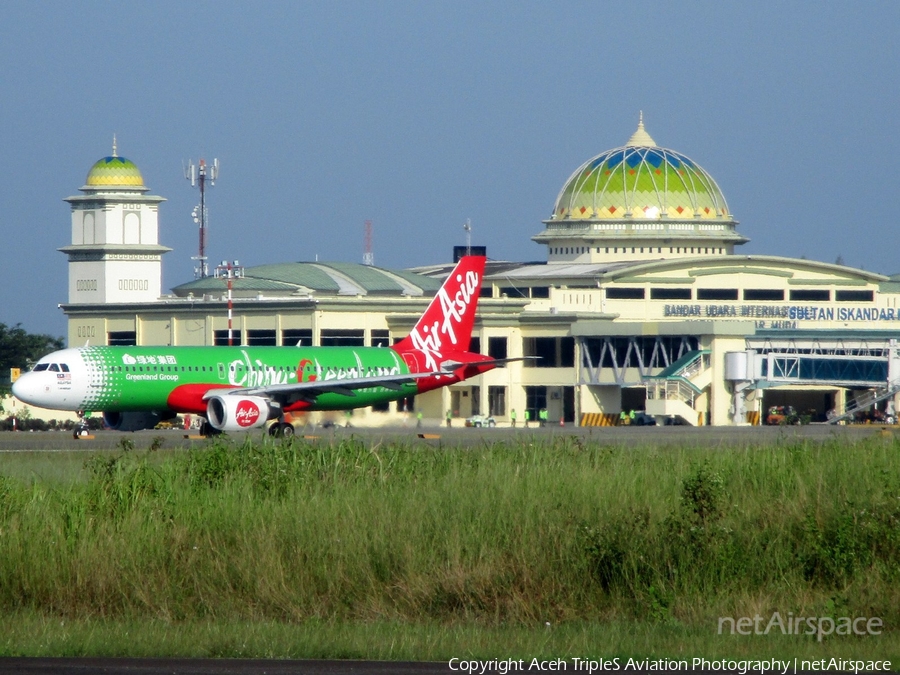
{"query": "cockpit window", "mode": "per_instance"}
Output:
(41, 366)
(64, 367)
(54, 367)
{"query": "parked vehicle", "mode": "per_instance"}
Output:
(782, 414)
(480, 421)
(642, 419)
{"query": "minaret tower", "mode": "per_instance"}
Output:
(115, 255)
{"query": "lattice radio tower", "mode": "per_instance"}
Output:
(368, 256)
(199, 174)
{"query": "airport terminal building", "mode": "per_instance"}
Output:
(643, 303)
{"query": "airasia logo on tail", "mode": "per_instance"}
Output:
(451, 313)
(453, 309)
(447, 323)
(246, 414)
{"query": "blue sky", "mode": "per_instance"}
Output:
(418, 115)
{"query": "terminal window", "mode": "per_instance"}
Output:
(854, 296)
(497, 348)
(121, 338)
(553, 352)
(297, 337)
(343, 337)
(545, 348)
(717, 294)
(763, 294)
(381, 337)
(811, 295)
(670, 293)
(220, 337)
(625, 293)
(261, 337)
(497, 401)
(513, 292)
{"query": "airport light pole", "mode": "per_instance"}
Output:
(229, 271)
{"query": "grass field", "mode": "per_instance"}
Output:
(557, 548)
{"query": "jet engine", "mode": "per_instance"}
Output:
(131, 421)
(237, 413)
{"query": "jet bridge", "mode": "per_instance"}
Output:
(847, 362)
(873, 366)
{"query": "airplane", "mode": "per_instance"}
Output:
(242, 388)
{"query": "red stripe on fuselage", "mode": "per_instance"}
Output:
(188, 398)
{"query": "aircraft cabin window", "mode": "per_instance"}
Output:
(41, 366)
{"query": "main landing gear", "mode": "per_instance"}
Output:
(207, 429)
(281, 430)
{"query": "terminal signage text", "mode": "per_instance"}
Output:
(784, 313)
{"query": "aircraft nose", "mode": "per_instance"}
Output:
(26, 388)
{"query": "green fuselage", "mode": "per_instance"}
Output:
(118, 379)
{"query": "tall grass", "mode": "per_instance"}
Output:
(501, 534)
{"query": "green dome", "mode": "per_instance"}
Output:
(640, 180)
(115, 172)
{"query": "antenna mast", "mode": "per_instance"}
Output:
(199, 174)
(368, 256)
(468, 228)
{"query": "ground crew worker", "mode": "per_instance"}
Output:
(527, 417)
(623, 418)
(542, 416)
(631, 416)
(419, 419)
(512, 416)
(449, 417)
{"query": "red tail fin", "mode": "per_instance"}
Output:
(446, 326)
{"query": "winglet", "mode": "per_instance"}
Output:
(447, 323)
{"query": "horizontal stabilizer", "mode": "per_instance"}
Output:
(449, 366)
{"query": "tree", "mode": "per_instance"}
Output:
(19, 349)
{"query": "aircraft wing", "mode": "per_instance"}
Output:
(310, 390)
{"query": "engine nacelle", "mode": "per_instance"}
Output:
(238, 413)
(131, 421)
